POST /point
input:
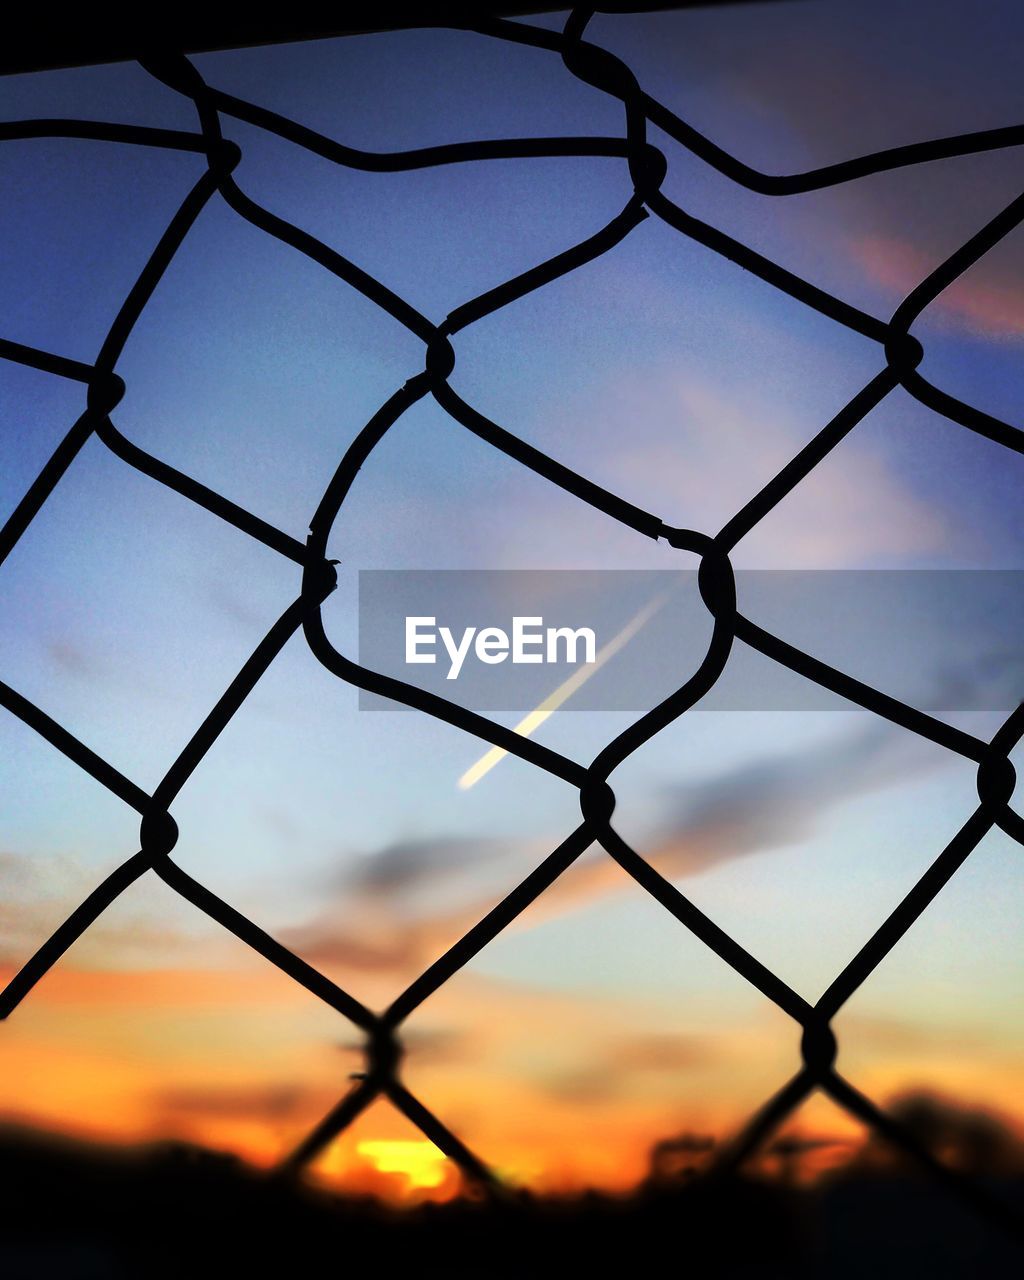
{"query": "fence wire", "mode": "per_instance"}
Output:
(900, 354)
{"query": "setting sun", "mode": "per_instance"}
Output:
(421, 1162)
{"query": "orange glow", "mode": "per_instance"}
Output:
(556, 1093)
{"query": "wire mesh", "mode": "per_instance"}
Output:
(900, 354)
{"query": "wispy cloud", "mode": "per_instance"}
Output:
(987, 300)
(38, 893)
(850, 511)
(379, 919)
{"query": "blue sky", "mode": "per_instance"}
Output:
(660, 370)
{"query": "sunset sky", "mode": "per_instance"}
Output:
(597, 1024)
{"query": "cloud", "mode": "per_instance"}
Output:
(660, 1052)
(852, 509)
(406, 864)
(324, 944)
(694, 444)
(778, 801)
(987, 300)
(627, 1064)
(907, 1037)
(15, 871)
(73, 659)
(262, 1101)
(38, 893)
(375, 922)
(862, 78)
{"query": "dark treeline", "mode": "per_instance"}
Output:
(78, 1212)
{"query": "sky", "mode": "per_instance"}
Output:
(596, 1025)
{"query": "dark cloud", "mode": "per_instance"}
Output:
(74, 659)
(779, 801)
(752, 808)
(612, 1065)
(660, 1052)
(590, 1086)
(325, 943)
(270, 1102)
(439, 1044)
(408, 863)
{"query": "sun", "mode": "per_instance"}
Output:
(419, 1161)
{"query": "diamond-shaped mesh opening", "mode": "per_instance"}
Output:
(935, 1019)
(384, 1155)
(546, 1058)
(229, 1051)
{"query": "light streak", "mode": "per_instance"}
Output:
(532, 721)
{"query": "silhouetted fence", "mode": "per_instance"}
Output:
(899, 355)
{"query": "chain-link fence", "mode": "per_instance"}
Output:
(900, 354)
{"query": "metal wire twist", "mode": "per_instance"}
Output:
(900, 354)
